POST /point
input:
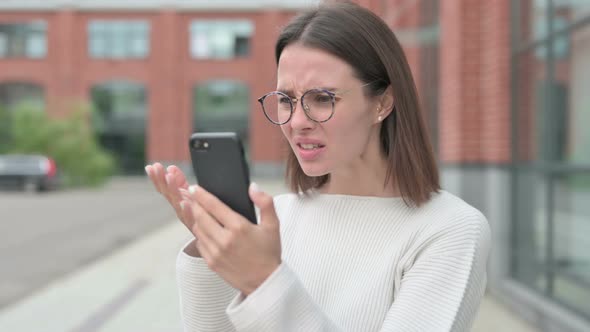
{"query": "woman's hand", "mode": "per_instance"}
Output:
(168, 182)
(241, 253)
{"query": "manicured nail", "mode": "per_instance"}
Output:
(182, 205)
(147, 170)
(254, 187)
(192, 189)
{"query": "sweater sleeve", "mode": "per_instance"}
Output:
(204, 296)
(440, 291)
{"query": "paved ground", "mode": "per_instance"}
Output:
(43, 237)
(132, 286)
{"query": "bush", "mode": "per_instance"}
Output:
(5, 134)
(70, 141)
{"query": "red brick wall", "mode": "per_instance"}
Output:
(495, 82)
(474, 82)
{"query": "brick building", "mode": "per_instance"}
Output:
(502, 84)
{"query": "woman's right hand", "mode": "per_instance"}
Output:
(168, 182)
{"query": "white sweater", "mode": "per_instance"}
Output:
(354, 263)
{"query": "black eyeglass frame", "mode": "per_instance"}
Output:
(332, 94)
(293, 102)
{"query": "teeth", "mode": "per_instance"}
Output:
(309, 146)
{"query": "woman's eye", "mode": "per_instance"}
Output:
(323, 99)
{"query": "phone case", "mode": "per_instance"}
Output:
(220, 168)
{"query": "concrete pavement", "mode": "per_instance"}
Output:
(47, 236)
(134, 289)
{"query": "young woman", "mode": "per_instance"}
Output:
(367, 241)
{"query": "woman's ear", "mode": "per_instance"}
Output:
(385, 104)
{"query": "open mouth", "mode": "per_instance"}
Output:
(310, 147)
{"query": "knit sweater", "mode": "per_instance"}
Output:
(354, 263)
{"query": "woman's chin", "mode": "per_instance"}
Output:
(313, 170)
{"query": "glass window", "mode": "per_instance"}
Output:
(571, 11)
(532, 18)
(553, 157)
(560, 42)
(222, 106)
(550, 247)
(530, 227)
(574, 74)
(118, 39)
(120, 121)
(220, 39)
(553, 112)
(571, 218)
(23, 40)
(531, 93)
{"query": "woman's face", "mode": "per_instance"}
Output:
(340, 144)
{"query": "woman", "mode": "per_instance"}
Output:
(367, 241)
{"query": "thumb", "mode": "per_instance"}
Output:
(264, 202)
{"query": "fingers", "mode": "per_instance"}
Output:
(218, 210)
(178, 177)
(172, 187)
(202, 224)
(168, 182)
(159, 174)
(201, 241)
(265, 202)
(156, 174)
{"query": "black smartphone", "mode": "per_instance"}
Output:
(221, 169)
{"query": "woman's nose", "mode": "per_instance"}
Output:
(299, 119)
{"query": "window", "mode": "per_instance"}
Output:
(222, 105)
(220, 39)
(120, 122)
(552, 173)
(117, 39)
(23, 40)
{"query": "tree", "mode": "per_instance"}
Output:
(70, 141)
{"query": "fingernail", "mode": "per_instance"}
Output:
(182, 205)
(192, 189)
(146, 170)
(167, 178)
(254, 187)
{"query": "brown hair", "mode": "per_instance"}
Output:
(365, 42)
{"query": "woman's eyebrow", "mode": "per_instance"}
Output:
(327, 88)
(289, 92)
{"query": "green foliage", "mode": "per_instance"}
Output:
(70, 141)
(5, 134)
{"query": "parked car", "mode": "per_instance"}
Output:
(28, 172)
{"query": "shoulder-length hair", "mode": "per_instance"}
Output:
(360, 38)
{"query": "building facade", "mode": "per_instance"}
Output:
(156, 71)
(502, 85)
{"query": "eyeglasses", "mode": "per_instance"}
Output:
(317, 104)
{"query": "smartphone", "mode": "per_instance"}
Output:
(221, 169)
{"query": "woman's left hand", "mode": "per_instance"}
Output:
(241, 253)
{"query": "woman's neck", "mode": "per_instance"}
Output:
(362, 181)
